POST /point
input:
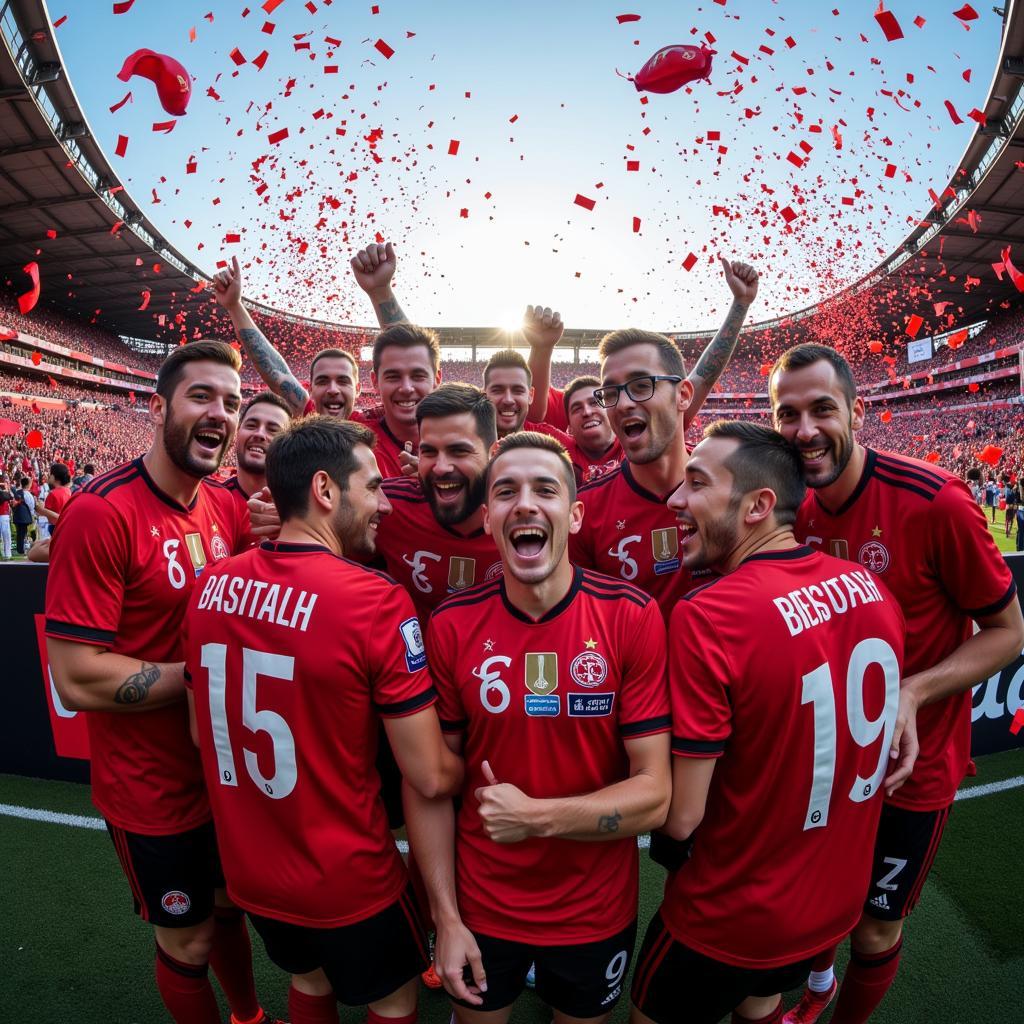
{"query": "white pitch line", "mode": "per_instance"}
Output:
(82, 821)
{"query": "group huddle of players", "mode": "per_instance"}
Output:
(760, 651)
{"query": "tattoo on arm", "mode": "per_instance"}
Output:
(135, 689)
(609, 822)
(716, 356)
(272, 367)
(389, 312)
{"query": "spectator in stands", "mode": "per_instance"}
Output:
(24, 513)
(60, 493)
(974, 482)
(88, 472)
(1009, 493)
(6, 498)
(992, 494)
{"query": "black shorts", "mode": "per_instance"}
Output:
(673, 982)
(390, 782)
(584, 980)
(172, 878)
(365, 961)
(905, 849)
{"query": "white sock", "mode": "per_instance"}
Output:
(821, 981)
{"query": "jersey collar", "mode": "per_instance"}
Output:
(780, 556)
(290, 547)
(552, 613)
(865, 477)
(165, 498)
(627, 475)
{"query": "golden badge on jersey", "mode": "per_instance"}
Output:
(196, 552)
(461, 572)
(839, 549)
(665, 543)
(542, 672)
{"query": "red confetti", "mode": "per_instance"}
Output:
(973, 387)
(123, 7)
(788, 214)
(60, 21)
(689, 263)
(453, 147)
(1015, 275)
(1018, 722)
(122, 145)
(636, 225)
(145, 300)
(966, 13)
(50, 233)
(890, 170)
(383, 49)
(120, 103)
(623, 18)
(919, 21)
(587, 204)
(914, 325)
(271, 5)
(164, 126)
(237, 57)
(275, 137)
(27, 301)
(954, 116)
(632, 165)
(261, 62)
(888, 24)
(232, 238)
(33, 439)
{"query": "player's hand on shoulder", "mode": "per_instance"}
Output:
(374, 266)
(263, 517)
(454, 951)
(227, 285)
(542, 326)
(505, 811)
(742, 280)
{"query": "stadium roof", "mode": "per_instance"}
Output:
(55, 177)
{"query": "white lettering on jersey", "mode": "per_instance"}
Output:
(805, 608)
(491, 680)
(419, 570)
(628, 567)
(175, 573)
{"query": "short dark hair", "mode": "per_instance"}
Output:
(764, 458)
(576, 384)
(542, 442)
(61, 474)
(407, 336)
(668, 352)
(454, 399)
(505, 359)
(265, 398)
(25, 481)
(172, 369)
(309, 445)
(90, 469)
(334, 353)
(807, 354)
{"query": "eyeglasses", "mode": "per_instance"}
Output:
(640, 389)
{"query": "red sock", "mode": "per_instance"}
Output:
(376, 1018)
(304, 1009)
(825, 959)
(231, 960)
(773, 1018)
(867, 979)
(186, 990)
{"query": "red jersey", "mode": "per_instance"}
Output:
(292, 654)
(556, 422)
(57, 499)
(919, 530)
(124, 560)
(234, 488)
(631, 533)
(788, 669)
(556, 414)
(548, 704)
(430, 560)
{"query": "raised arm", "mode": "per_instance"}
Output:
(90, 678)
(637, 804)
(269, 363)
(542, 329)
(742, 281)
(373, 268)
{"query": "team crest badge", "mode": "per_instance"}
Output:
(839, 549)
(589, 669)
(461, 572)
(665, 546)
(494, 571)
(175, 902)
(874, 556)
(194, 543)
(542, 673)
(218, 547)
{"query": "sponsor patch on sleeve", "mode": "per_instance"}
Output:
(590, 705)
(412, 637)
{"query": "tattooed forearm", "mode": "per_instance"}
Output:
(271, 366)
(389, 313)
(609, 822)
(716, 356)
(135, 689)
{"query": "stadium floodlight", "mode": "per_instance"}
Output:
(1014, 66)
(75, 130)
(47, 72)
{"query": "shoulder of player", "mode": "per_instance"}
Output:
(469, 598)
(403, 488)
(116, 483)
(600, 484)
(347, 574)
(606, 588)
(909, 476)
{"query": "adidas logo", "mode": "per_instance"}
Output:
(882, 902)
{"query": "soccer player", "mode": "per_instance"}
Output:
(263, 417)
(551, 679)
(917, 528)
(434, 541)
(508, 384)
(628, 530)
(784, 675)
(126, 554)
(288, 749)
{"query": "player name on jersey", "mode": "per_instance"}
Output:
(811, 606)
(259, 600)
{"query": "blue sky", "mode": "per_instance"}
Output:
(552, 66)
